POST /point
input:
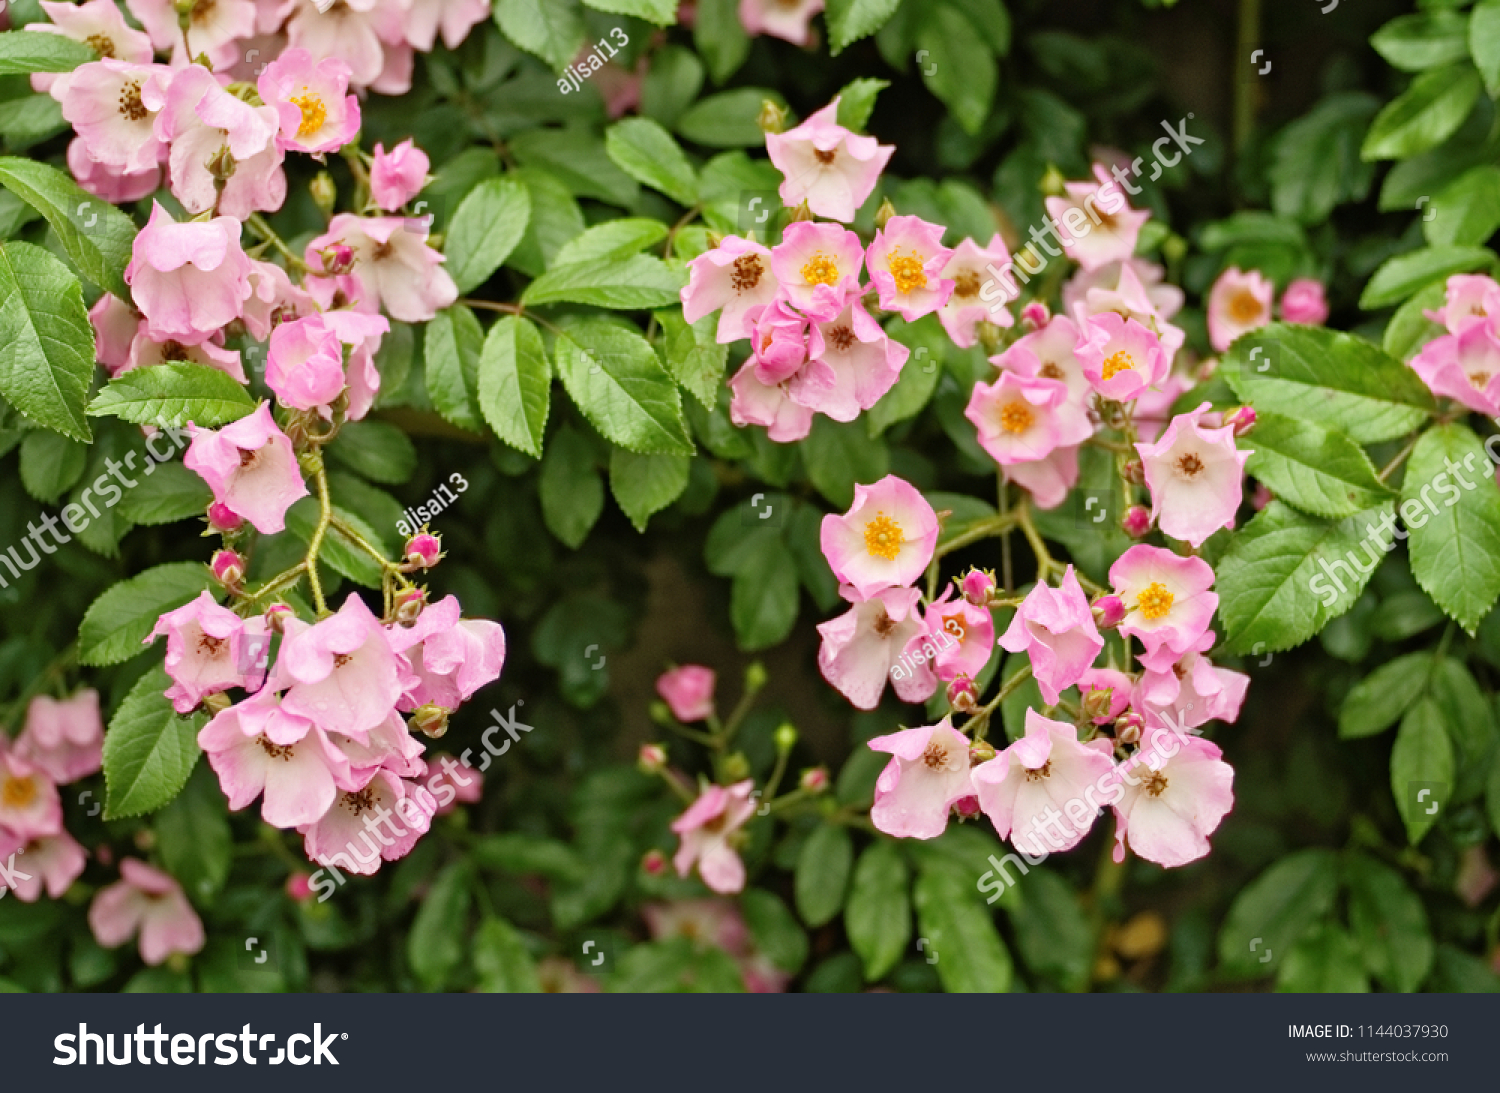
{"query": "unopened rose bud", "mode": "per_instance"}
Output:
(276, 616)
(801, 213)
(429, 720)
(814, 779)
(298, 886)
(1096, 703)
(228, 568)
(223, 518)
(989, 336)
(963, 696)
(1109, 612)
(735, 767)
(338, 258)
(654, 862)
(1136, 522)
(1242, 418)
(1134, 472)
(884, 213)
(1053, 183)
(325, 192)
(424, 549)
(978, 586)
(216, 703)
(652, 758)
(980, 751)
(1173, 248)
(1035, 315)
(967, 807)
(786, 736)
(755, 676)
(772, 118)
(1128, 727)
(221, 165)
(409, 605)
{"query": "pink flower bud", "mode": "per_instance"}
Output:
(430, 720)
(409, 605)
(653, 758)
(1108, 612)
(689, 691)
(423, 549)
(655, 863)
(223, 518)
(814, 779)
(1035, 314)
(297, 886)
(229, 568)
(963, 696)
(1128, 727)
(1303, 302)
(979, 586)
(967, 807)
(338, 258)
(1262, 496)
(1242, 418)
(104, 854)
(1136, 522)
(980, 751)
(276, 616)
(1096, 703)
(1134, 471)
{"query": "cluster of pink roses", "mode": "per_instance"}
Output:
(1240, 302)
(1464, 363)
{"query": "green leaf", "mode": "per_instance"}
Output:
(959, 67)
(1492, 797)
(959, 930)
(30, 120)
(1390, 923)
(629, 284)
(763, 599)
(617, 380)
(526, 855)
(1317, 470)
(435, 945)
(94, 234)
(1275, 910)
(169, 493)
(1274, 589)
(671, 84)
(338, 552)
(571, 492)
(515, 384)
(1470, 720)
(1455, 551)
(1484, 43)
(1325, 961)
(376, 449)
(661, 12)
(1423, 40)
(1338, 381)
(728, 119)
(576, 156)
(720, 38)
(1424, 115)
(451, 345)
(1467, 212)
(1315, 159)
(26, 51)
(192, 834)
(503, 964)
(1423, 753)
(117, 623)
(612, 240)
(484, 230)
(840, 454)
(920, 374)
(643, 485)
(173, 394)
(148, 751)
(1052, 932)
(694, 355)
(857, 101)
(774, 930)
(555, 219)
(851, 20)
(50, 464)
(1410, 329)
(878, 915)
(647, 153)
(1377, 702)
(551, 29)
(823, 873)
(48, 359)
(1402, 275)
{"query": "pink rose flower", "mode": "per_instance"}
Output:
(340, 672)
(362, 332)
(826, 165)
(779, 342)
(29, 805)
(1049, 352)
(1166, 299)
(1464, 366)
(53, 861)
(105, 102)
(352, 34)
(112, 184)
(444, 659)
(817, 267)
(151, 902)
(851, 365)
(1022, 420)
(1191, 693)
(305, 365)
(1167, 599)
(1470, 298)
(1113, 689)
(96, 23)
(146, 351)
(464, 783)
(865, 646)
(715, 922)
(1095, 223)
(733, 279)
(689, 691)
(906, 262)
(380, 822)
(705, 830)
(273, 299)
(115, 325)
(208, 650)
(189, 280)
(390, 746)
(1048, 480)
(1237, 304)
(1037, 792)
(1120, 357)
(1196, 476)
(784, 19)
(250, 466)
(968, 269)
(1174, 798)
(64, 737)
(885, 539)
(1303, 302)
(423, 19)
(928, 772)
(313, 109)
(1130, 300)
(398, 176)
(392, 263)
(768, 404)
(1055, 628)
(962, 635)
(211, 29)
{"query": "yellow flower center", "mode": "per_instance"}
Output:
(1118, 362)
(821, 270)
(907, 270)
(1244, 307)
(1016, 417)
(314, 113)
(18, 792)
(1154, 601)
(883, 537)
